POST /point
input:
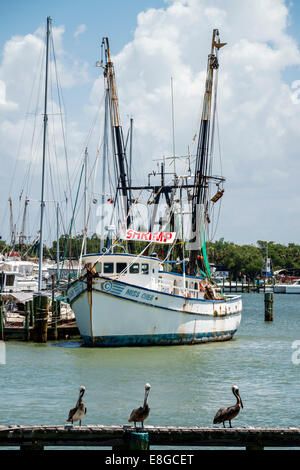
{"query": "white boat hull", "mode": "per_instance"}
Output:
(113, 313)
(287, 289)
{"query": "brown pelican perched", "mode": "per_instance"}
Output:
(77, 413)
(138, 415)
(227, 414)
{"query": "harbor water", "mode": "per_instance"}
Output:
(40, 383)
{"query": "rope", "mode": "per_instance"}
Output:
(71, 224)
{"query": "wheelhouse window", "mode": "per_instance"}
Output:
(145, 268)
(121, 267)
(98, 268)
(108, 268)
(134, 268)
(10, 278)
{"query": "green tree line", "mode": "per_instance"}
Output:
(239, 260)
(249, 259)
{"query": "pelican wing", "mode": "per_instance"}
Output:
(71, 414)
(139, 414)
(219, 416)
(224, 414)
(136, 414)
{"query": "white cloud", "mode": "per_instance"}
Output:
(259, 114)
(80, 30)
(22, 71)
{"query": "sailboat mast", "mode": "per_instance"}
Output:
(12, 229)
(202, 156)
(44, 156)
(22, 234)
(57, 241)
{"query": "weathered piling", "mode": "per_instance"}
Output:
(41, 309)
(269, 306)
(27, 321)
(31, 318)
(1, 319)
(139, 441)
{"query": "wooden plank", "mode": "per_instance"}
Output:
(118, 436)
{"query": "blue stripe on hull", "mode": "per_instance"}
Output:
(157, 340)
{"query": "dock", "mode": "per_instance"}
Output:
(118, 437)
(247, 286)
(62, 332)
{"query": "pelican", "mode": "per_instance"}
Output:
(227, 414)
(138, 415)
(77, 413)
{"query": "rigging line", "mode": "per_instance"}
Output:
(89, 211)
(87, 140)
(29, 102)
(58, 173)
(213, 123)
(61, 120)
(151, 242)
(124, 224)
(71, 224)
(35, 157)
(181, 180)
(36, 114)
(219, 141)
(93, 173)
(217, 222)
(24, 125)
(89, 134)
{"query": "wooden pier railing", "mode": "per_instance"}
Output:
(120, 437)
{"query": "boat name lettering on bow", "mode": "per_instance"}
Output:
(133, 293)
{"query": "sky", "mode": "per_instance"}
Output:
(152, 41)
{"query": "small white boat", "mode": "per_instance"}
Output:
(287, 288)
(17, 276)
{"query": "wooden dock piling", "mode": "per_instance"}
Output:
(1, 319)
(139, 441)
(27, 321)
(41, 308)
(269, 301)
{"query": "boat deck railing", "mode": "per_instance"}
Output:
(169, 288)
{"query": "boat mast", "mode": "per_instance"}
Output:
(201, 178)
(22, 234)
(104, 166)
(57, 240)
(85, 199)
(109, 74)
(12, 229)
(44, 157)
(130, 152)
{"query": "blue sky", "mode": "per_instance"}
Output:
(114, 18)
(259, 92)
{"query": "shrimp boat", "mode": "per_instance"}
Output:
(132, 297)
